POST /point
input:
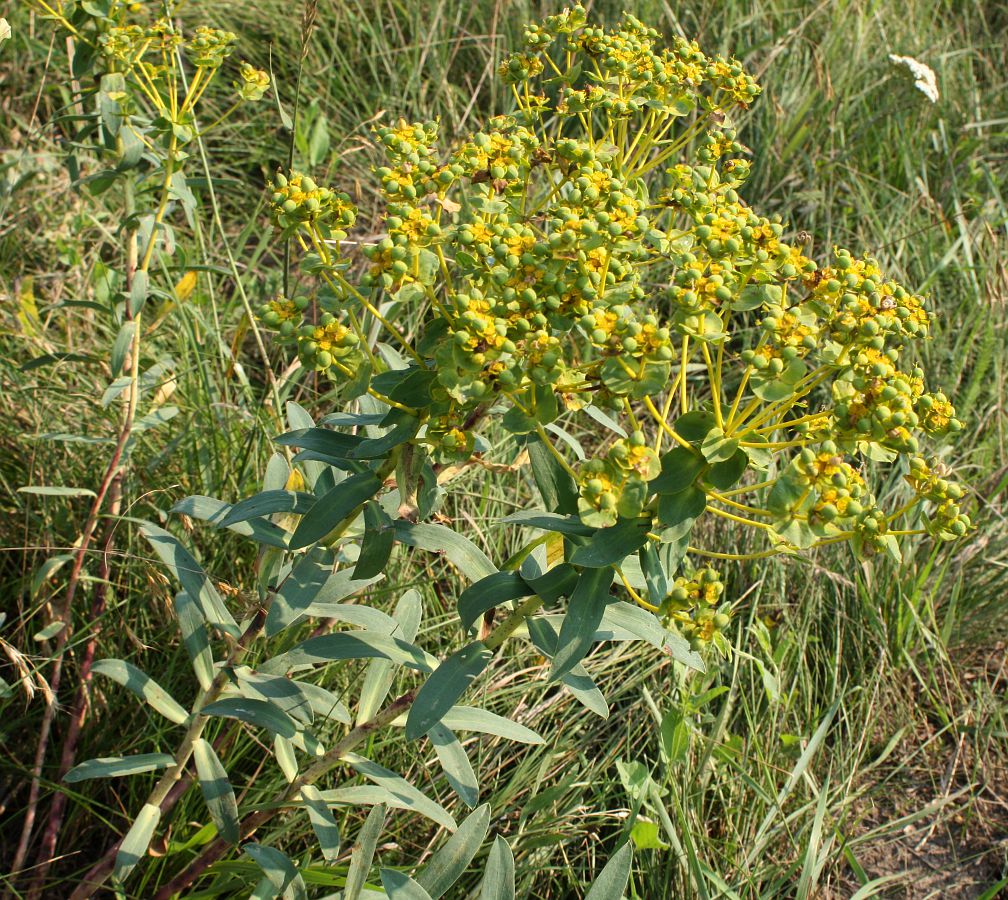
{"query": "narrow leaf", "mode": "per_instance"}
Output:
(485, 594)
(472, 718)
(195, 638)
(459, 550)
(414, 798)
(267, 503)
(322, 822)
(381, 672)
(351, 645)
(455, 764)
(191, 576)
(333, 507)
(399, 886)
(448, 682)
(363, 853)
(134, 845)
(217, 791)
(450, 862)
(584, 613)
(377, 543)
(499, 878)
(143, 686)
(612, 880)
(279, 869)
(255, 712)
(118, 766)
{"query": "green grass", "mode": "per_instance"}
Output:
(858, 732)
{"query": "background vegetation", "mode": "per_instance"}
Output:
(855, 742)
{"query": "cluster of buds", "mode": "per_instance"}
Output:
(945, 521)
(283, 315)
(296, 200)
(616, 486)
(209, 47)
(862, 308)
(527, 256)
(692, 605)
(879, 408)
(252, 83)
(326, 343)
(124, 43)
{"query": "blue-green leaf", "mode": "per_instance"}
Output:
(499, 878)
(322, 821)
(584, 613)
(448, 682)
(399, 886)
(612, 880)
(450, 862)
(145, 687)
(363, 853)
(217, 791)
(279, 870)
(118, 766)
(335, 506)
(191, 576)
(134, 845)
(255, 712)
(412, 797)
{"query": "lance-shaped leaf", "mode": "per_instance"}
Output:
(458, 549)
(455, 764)
(544, 521)
(584, 613)
(377, 543)
(334, 444)
(191, 576)
(577, 680)
(612, 880)
(399, 886)
(279, 870)
(255, 712)
(296, 594)
(286, 693)
(450, 862)
(485, 594)
(134, 845)
(195, 638)
(555, 484)
(363, 853)
(610, 546)
(645, 626)
(380, 674)
(118, 766)
(448, 682)
(217, 791)
(267, 503)
(207, 509)
(414, 798)
(322, 821)
(327, 603)
(333, 507)
(472, 718)
(499, 877)
(351, 645)
(143, 686)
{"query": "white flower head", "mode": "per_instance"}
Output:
(924, 76)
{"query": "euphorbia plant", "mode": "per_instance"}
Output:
(586, 260)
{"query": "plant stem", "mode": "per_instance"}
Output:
(112, 476)
(218, 847)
